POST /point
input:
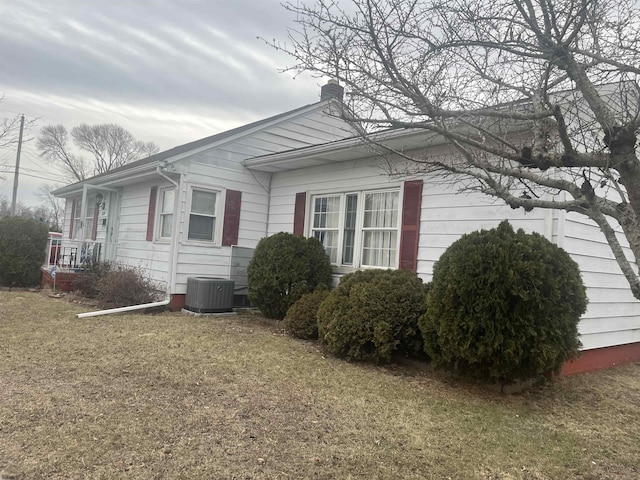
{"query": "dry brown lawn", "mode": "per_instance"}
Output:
(171, 396)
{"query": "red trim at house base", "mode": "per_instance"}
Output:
(599, 358)
(177, 302)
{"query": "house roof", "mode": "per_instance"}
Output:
(391, 140)
(350, 148)
(154, 160)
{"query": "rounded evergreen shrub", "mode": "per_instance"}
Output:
(373, 314)
(283, 268)
(503, 306)
(23, 245)
(301, 320)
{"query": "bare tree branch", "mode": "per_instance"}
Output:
(110, 145)
(539, 98)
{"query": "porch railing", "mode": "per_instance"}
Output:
(74, 254)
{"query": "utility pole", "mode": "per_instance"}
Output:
(15, 174)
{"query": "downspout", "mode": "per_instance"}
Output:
(123, 309)
(268, 190)
(173, 250)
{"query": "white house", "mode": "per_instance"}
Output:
(199, 210)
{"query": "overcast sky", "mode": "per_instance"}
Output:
(169, 71)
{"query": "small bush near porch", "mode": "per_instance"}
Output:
(174, 396)
(22, 250)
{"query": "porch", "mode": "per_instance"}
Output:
(68, 260)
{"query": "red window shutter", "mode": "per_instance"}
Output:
(231, 225)
(410, 231)
(298, 214)
(73, 214)
(94, 227)
(151, 216)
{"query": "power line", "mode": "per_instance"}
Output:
(34, 172)
(42, 165)
(37, 169)
(36, 176)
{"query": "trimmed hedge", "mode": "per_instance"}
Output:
(301, 320)
(373, 314)
(284, 267)
(503, 306)
(23, 245)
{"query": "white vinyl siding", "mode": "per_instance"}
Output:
(357, 228)
(613, 314)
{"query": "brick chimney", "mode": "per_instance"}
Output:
(331, 90)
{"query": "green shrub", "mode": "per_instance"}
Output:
(373, 314)
(503, 306)
(123, 286)
(283, 268)
(23, 245)
(301, 320)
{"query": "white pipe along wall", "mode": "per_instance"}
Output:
(123, 309)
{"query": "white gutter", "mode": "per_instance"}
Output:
(159, 171)
(128, 174)
(123, 309)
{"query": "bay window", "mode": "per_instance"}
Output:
(357, 228)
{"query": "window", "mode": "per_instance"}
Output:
(166, 201)
(326, 217)
(380, 229)
(79, 223)
(357, 228)
(77, 220)
(202, 218)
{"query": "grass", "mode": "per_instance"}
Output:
(170, 396)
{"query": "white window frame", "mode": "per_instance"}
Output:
(83, 226)
(359, 225)
(161, 215)
(78, 222)
(218, 220)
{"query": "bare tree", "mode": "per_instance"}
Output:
(53, 144)
(539, 98)
(110, 145)
(22, 210)
(52, 206)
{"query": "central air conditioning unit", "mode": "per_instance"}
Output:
(209, 295)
